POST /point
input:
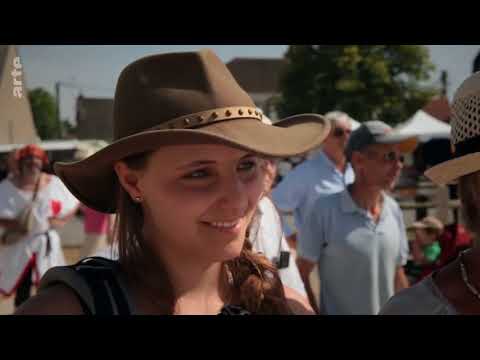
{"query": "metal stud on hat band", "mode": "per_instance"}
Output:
(211, 116)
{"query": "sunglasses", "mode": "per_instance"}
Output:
(339, 132)
(393, 156)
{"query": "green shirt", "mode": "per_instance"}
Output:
(432, 252)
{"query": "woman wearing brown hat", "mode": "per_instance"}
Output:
(455, 289)
(184, 176)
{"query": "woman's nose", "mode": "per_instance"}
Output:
(234, 197)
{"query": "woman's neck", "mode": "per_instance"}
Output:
(198, 289)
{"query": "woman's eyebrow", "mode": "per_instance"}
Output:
(196, 163)
(206, 162)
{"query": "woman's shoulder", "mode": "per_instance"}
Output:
(94, 285)
(423, 298)
(298, 304)
(58, 293)
(55, 300)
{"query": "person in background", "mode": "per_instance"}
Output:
(357, 237)
(426, 247)
(270, 238)
(455, 288)
(326, 173)
(11, 165)
(98, 231)
(33, 204)
(97, 225)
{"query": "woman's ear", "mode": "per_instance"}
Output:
(128, 179)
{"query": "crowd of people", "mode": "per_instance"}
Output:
(183, 213)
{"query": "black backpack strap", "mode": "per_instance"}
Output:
(66, 275)
(109, 296)
(119, 294)
(95, 281)
(233, 310)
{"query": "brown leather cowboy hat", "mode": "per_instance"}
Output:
(183, 98)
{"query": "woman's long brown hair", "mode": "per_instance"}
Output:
(256, 284)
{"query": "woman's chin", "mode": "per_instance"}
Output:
(230, 251)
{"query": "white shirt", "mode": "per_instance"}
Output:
(267, 237)
(54, 200)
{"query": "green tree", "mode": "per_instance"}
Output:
(369, 82)
(44, 112)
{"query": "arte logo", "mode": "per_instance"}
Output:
(17, 78)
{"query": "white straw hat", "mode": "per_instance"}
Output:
(465, 134)
(429, 222)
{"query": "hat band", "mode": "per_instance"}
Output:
(209, 117)
(466, 147)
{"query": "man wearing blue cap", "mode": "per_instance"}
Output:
(357, 237)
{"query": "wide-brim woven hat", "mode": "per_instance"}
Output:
(429, 222)
(465, 134)
(183, 98)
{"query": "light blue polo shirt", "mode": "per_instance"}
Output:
(357, 257)
(311, 179)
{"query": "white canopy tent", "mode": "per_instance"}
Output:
(355, 124)
(48, 145)
(425, 126)
(58, 145)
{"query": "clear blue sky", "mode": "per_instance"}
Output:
(95, 68)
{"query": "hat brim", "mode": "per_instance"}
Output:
(93, 180)
(418, 225)
(406, 143)
(449, 171)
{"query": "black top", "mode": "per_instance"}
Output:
(100, 287)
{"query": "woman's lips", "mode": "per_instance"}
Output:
(225, 226)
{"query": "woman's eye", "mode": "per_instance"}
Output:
(197, 174)
(247, 165)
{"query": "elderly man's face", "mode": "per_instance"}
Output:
(338, 138)
(379, 165)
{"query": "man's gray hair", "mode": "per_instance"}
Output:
(336, 116)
